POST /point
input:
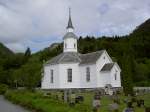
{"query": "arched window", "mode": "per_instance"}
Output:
(88, 74)
(69, 71)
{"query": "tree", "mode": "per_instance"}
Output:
(31, 75)
(127, 75)
(28, 52)
(27, 55)
(3, 76)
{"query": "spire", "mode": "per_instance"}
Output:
(70, 21)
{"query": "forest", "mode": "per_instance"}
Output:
(132, 52)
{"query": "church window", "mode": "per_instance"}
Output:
(104, 57)
(88, 74)
(52, 76)
(69, 75)
(74, 45)
(65, 45)
(115, 76)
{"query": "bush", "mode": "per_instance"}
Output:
(3, 88)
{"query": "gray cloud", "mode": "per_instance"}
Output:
(23, 21)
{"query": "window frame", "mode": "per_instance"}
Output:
(65, 45)
(69, 75)
(115, 75)
(74, 45)
(51, 76)
(104, 57)
(88, 74)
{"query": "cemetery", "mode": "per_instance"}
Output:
(78, 101)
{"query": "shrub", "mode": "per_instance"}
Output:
(3, 88)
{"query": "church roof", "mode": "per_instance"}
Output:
(66, 57)
(70, 35)
(90, 58)
(107, 67)
(74, 57)
(70, 24)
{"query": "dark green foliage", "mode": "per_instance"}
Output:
(3, 88)
(27, 55)
(140, 39)
(127, 75)
(4, 51)
(49, 52)
(28, 52)
(31, 75)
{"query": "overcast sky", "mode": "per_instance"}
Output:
(38, 23)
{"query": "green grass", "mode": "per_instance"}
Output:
(36, 101)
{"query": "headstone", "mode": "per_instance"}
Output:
(72, 99)
(116, 99)
(114, 107)
(96, 103)
(65, 96)
(129, 108)
(79, 99)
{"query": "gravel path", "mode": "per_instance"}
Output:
(6, 106)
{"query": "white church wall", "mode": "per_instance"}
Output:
(99, 64)
(70, 44)
(93, 77)
(46, 83)
(117, 82)
(105, 78)
(45, 80)
(64, 75)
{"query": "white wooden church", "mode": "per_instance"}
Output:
(71, 69)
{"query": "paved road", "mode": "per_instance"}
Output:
(6, 106)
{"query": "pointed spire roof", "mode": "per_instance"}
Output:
(70, 21)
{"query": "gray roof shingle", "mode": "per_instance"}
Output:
(66, 57)
(90, 58)
(73, 57)
(107, 67)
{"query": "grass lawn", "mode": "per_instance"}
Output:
(36, 101)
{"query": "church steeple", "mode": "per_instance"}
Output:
(70, 27)
(70, 39)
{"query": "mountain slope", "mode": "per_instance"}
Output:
(144, 28)
(140, 39)
(4, 51)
